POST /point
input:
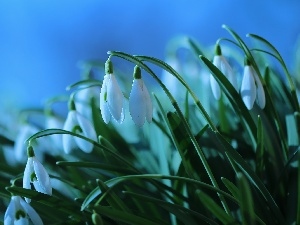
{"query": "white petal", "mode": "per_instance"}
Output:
(137, 107)
(27, 175)
(228, 72)
(103, 101)
(87, 131)
(42, 177)
(148, 103)
(9, 215)
(114, 98)
(68, 140)
(248, 88)
(260, 98)
(83, 101)
(35, 218)
(215, 88)
(22, 221)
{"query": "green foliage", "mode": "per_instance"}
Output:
(201, 160)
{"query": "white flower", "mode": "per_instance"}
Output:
(75, 122)
(252, 88)
(54, 122)
(140, 105)
(18, 212)
(26, 130)
(168, 79)
(111, 97)
(35, 173)
(83, 101)
(221, 63)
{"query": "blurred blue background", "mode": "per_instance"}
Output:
(42, 41)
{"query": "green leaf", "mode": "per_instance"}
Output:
(214, 208)
(298, 194)
(260, 148)
(103, 166)
(247, 170)
(112, 199)
(86, 83)
(90, 197)
(118, 215)
(183, 214)
(231, 187)
(292, 131)
(195, 47)
(246, 202)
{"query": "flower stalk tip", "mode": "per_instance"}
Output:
(137, 74)
(30, 152)
(108, 67)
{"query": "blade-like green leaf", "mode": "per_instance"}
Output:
(129, 218)
(214, 208)
(246, 202)
(103, 166)
(260, 148)
(86, 83)
(175, 209)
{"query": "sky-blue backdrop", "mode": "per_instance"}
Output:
(42, 41)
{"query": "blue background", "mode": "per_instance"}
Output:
(42, 41)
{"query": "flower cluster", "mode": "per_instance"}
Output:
(251, 87)
(112, 99)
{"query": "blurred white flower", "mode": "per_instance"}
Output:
(54, 122)
(140, 105)
(18, 212)
(111, 97)
(252, 88)
(35, 173)
(25, 131)
(221, 63)
(75, 122)
(83, 100)
(168, 79)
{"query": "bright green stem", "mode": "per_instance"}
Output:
(186, 125)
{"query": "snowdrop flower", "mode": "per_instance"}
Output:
(252, 88)
(221, 63)
(54, 122)
(111, 96)
(140, 105)
(77, 123)
(26, 130)
(83, 101)
(35, 173)
(18, 212)
(168, 79)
